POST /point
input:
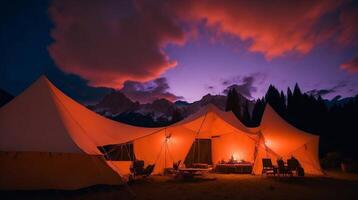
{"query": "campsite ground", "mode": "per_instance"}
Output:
(216, 186)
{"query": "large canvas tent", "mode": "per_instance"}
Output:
(49, 141)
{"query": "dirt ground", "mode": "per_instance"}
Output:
(335, 185)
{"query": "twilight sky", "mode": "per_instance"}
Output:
(179, 49)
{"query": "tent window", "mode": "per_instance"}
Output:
(118, 152)
(200, 152)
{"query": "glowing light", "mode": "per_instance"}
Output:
(167, 137)
(268, 143)
(236, 156)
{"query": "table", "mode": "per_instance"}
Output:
(238, 168)
(193, 171)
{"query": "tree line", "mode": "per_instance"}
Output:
(336, 124)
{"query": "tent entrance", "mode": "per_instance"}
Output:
(118, 152)
(200, 152)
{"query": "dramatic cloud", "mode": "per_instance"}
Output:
(351, 66)
(149, 91)
(321, 92)
(109, 42)
(325, 92)
(274, 28)
(244, 85)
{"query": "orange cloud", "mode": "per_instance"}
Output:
(273, 27)
(109, 42)
(351, 66)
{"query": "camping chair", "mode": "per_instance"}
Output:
(294, 166)
(267, 167)
(282, 169)
(138, 169)
(148, 170)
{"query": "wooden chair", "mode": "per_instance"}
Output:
(148, 170)
(294, 166)
(267, 167)
(282, 169)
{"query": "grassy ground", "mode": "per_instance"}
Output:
(215, 186)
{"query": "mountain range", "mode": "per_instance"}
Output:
(159, 112)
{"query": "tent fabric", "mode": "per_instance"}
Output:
(44, 170)
(164, 148)
(51, 121)
(274, 139)
(32, 122)
(99, 129)
(262, 151)
(121, 167)
(285, 141)
(47, 131)
(211, 112)
(237, 145)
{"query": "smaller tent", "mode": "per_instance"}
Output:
(228, 137)
(279, 139)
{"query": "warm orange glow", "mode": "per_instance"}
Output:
(249, 21)
(236, 156)
(268, 143)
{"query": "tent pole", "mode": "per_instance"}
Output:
(165, 150)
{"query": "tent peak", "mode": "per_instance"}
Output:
(42, 80)
(270, 116)
(42, 77)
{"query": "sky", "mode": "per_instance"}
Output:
(179, 50)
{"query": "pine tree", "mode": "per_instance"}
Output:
(229, 100)
(274, 98)
(257, 112)
(295, 107)
(282, 105)
(289, 104)
(233, 103)
(246, 118)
